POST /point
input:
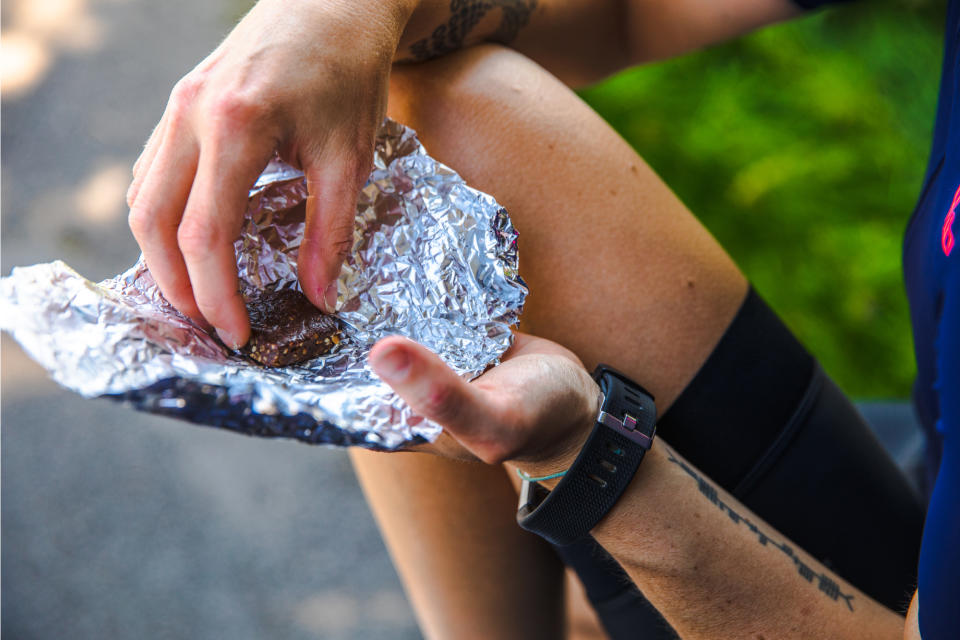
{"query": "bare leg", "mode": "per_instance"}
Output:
(619, 271)
(468, 569)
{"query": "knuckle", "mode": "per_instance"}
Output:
(186, 89)
(182, 96)
(237, 108)
(140, 222)
(440, 403)
(131, 199)
(343, 242)
(196, 238)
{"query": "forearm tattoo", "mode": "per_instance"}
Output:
(824, 582)
(464, 16)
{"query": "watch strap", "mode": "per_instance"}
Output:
(606, 464)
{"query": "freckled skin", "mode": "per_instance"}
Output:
(287, 329)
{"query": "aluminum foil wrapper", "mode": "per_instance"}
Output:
(432, 259)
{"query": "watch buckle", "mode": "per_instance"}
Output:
(627, 426)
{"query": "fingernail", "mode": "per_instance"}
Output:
(229, 339)
(330, 298)
(392, 364)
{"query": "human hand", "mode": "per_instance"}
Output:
(307, 79)
(537, 407)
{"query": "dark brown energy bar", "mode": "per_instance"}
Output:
(285, 328)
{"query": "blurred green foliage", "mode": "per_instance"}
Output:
(802, 148)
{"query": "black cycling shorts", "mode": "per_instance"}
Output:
(764, 421)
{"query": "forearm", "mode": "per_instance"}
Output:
(715, 570)
(581, 41)
(576, 40)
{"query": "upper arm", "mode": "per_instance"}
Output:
(659, 29)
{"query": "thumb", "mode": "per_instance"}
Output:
(328, 234)
(434, 391)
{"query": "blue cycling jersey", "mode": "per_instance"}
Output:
(931, 260)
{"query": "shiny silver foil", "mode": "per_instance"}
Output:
(432, 259)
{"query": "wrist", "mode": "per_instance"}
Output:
(560, 455)
(424, 19)
(622, 432)
(549, 471)
(384, 22)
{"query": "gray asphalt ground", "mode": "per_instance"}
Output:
(116, 524)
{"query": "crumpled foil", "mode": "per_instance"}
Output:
(432, 259)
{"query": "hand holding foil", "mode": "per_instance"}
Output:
(307, 78)
(431, 259)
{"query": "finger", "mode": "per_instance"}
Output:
(150, 148)
(141, 168)
(211, 223)
(333, 186)
(155, 216)
(434, 391)
(175, 117)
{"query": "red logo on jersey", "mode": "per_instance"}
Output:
(946, 238)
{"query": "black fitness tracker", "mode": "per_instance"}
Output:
(624, 431)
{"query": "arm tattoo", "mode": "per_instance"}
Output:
(464, 16)
(825, 583)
